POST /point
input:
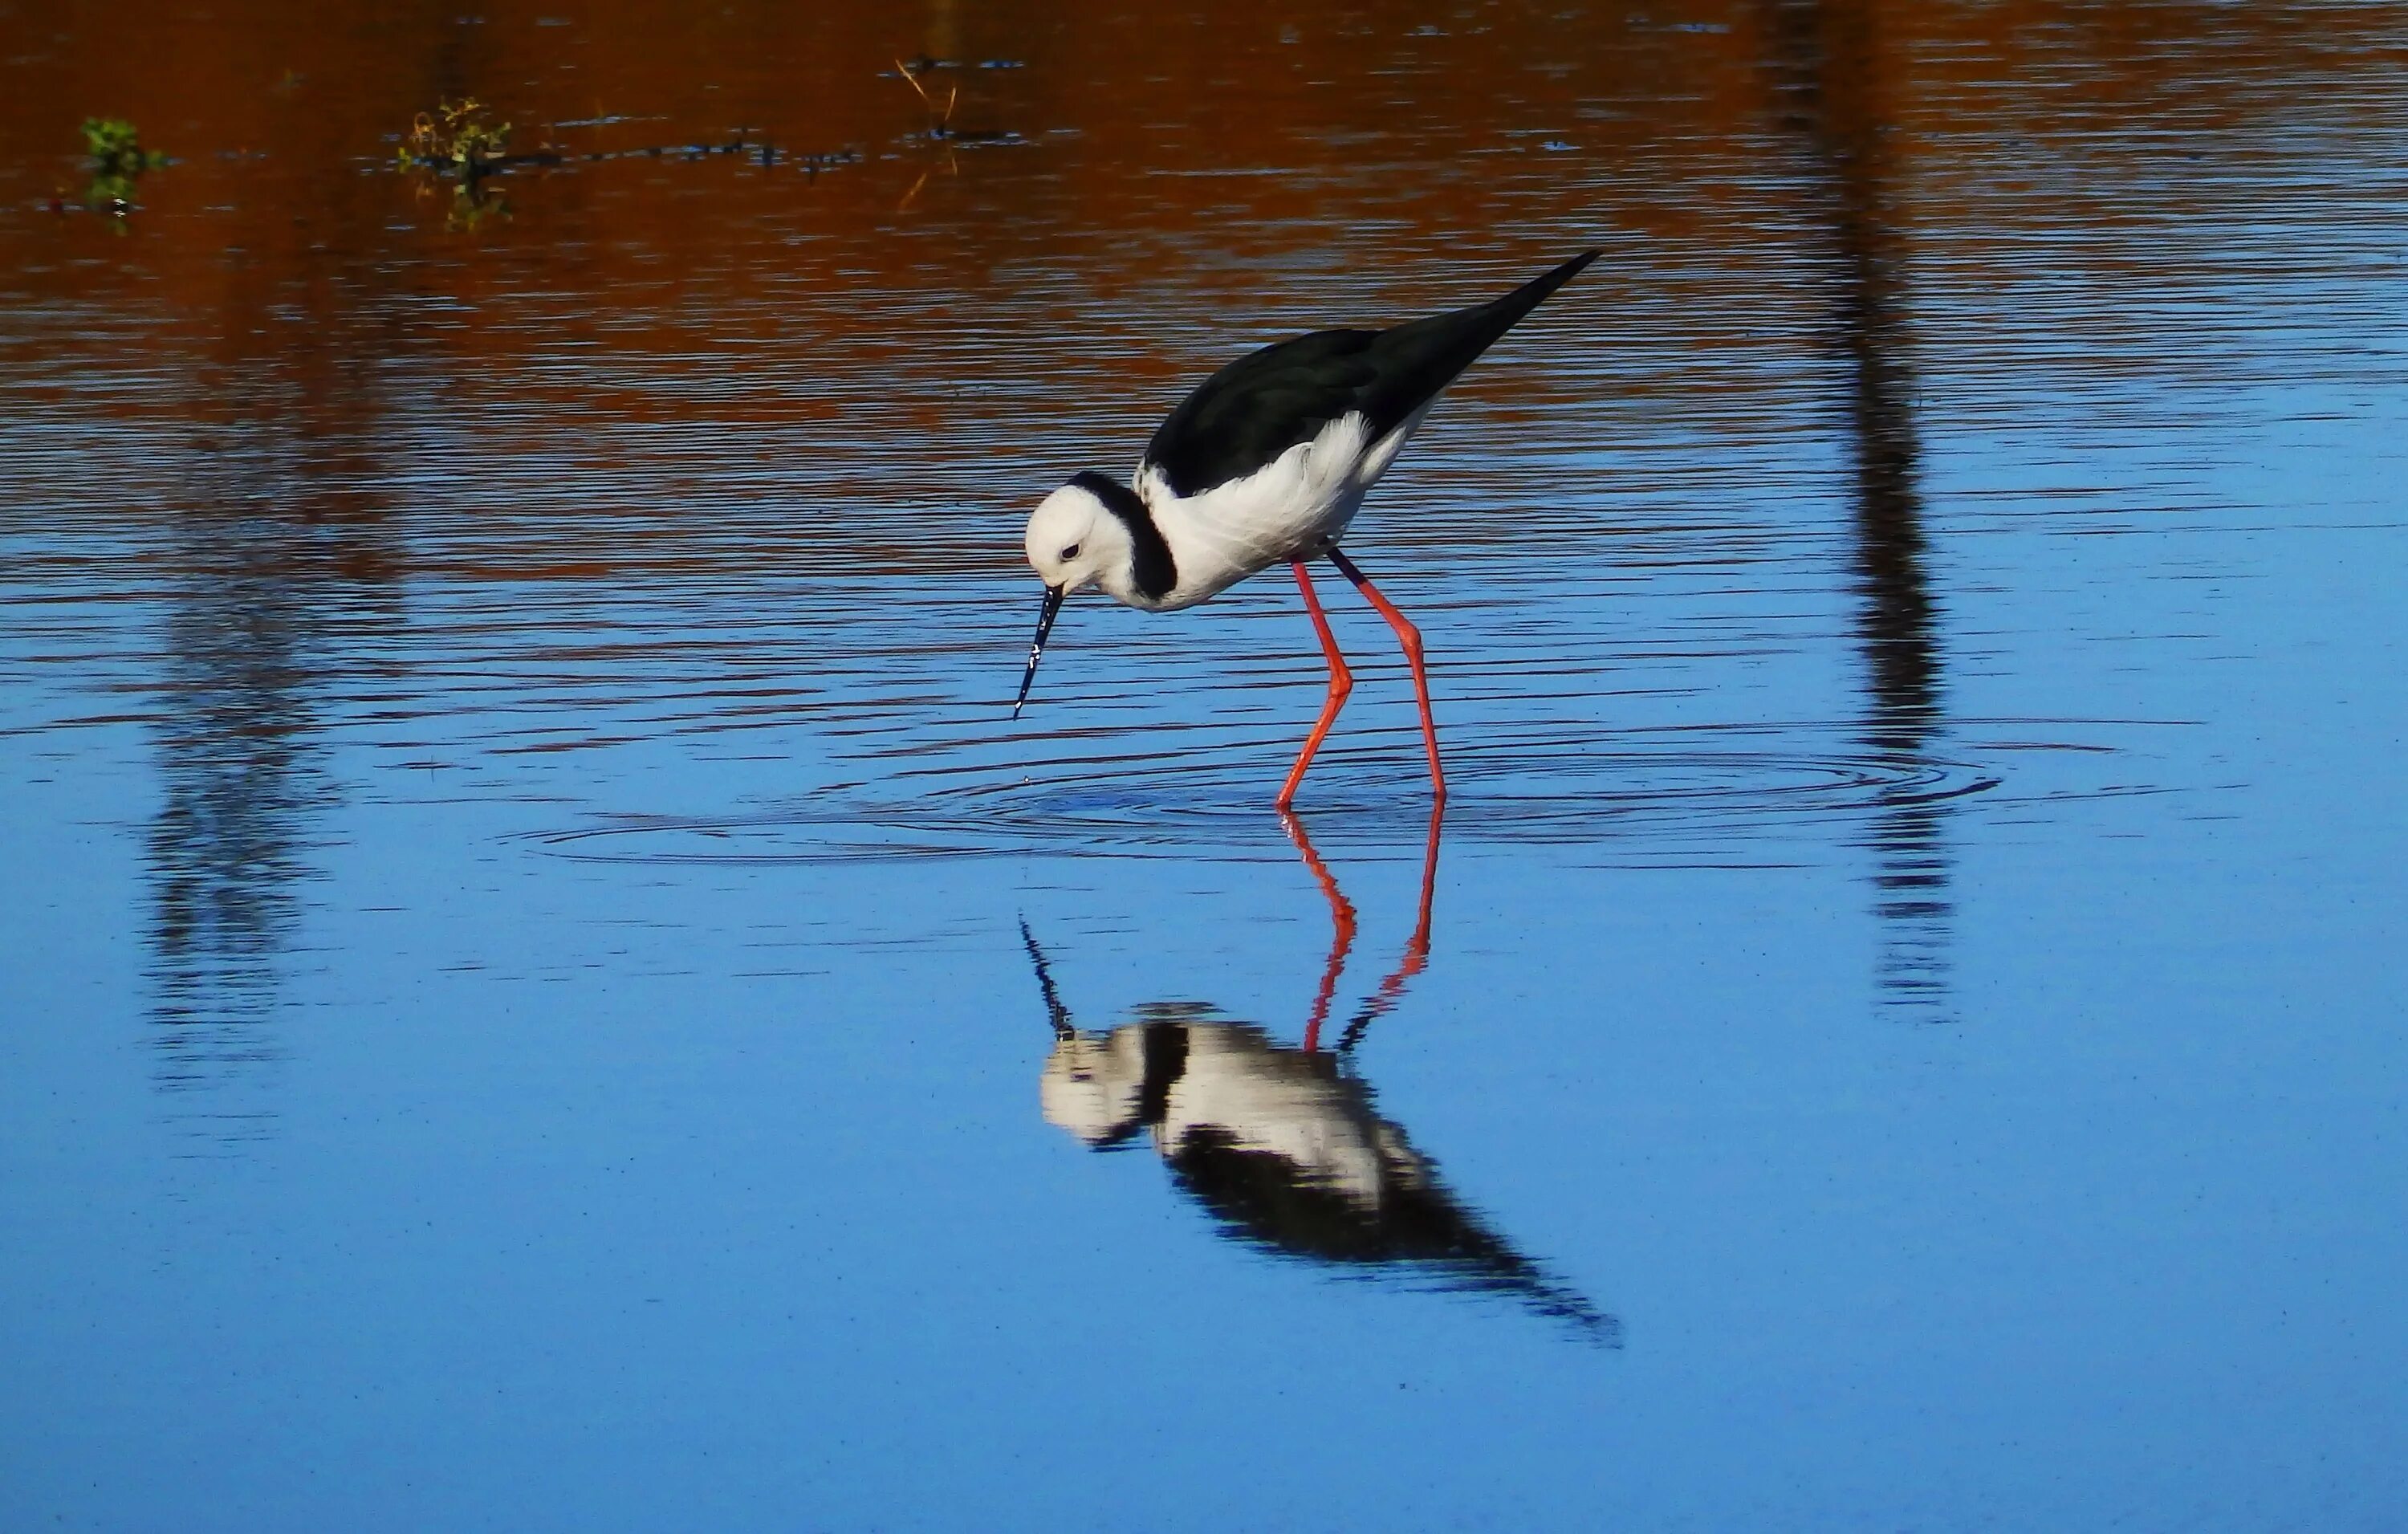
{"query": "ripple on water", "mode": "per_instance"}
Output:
(1711, 796)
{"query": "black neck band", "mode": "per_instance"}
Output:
(1155, 574)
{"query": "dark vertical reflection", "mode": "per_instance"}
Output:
(1829, 72)
(275, 561)
(239, 778)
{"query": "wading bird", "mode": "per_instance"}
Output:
(1267, 463)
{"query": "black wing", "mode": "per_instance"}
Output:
(1248, 413)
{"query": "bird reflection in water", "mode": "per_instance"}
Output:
(1284, 1145)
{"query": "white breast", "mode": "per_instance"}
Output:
(1293, 508)
(1279, 1101)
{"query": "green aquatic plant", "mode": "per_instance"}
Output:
(460, 145)
(455, 137)
(115, 149)
(458, 139)
(473, 202)
(118, 162)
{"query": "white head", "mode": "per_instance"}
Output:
(1075, 541)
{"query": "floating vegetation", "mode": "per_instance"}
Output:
(474, 203)
(455, 139)
(118, 160)
(460, 141)
(463, 143)
(115, 149)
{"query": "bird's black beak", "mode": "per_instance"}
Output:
(1063, 1028)
(1054, 596)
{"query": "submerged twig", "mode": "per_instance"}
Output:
(939, 123)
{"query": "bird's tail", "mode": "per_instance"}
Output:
(1424, 356)
(1507, 311)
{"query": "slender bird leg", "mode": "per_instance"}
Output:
(1411, 639)
(1341, 924)
(1342, 682)
(1416, 957)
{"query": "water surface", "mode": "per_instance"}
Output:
(545, 989)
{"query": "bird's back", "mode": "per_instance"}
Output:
(1265, 403)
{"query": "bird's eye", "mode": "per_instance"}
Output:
(1070, 552)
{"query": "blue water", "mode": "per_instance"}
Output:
(523, 1008)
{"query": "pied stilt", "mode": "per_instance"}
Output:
(1267, 462)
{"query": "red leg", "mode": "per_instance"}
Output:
(1416, 956)
(1342, 682)
(1411, 639)
(1341, 923)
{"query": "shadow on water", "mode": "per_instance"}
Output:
(1284, 1145)
(1828, 68)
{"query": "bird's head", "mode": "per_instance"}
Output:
(1075, 541)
